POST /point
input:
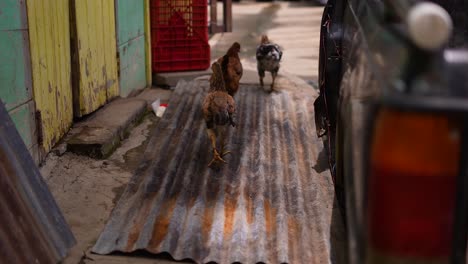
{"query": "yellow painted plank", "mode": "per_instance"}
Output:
(49, 38)
(97, 54)
(91, 94)
(111, 57)
(148, 43)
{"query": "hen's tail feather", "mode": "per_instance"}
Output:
(217, 79)
(224, 64)
(232, 120)
(222, 118)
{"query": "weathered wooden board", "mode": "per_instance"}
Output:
(23, 117)
(149, 73)
(49, 30)
(12, 15)
(131, 45)
(15, 70)
(95, 77)
(15, 77)
(132, 66)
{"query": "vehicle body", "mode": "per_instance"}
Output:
(377, 89)
(322, 2)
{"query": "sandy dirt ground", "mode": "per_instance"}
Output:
(87, 189)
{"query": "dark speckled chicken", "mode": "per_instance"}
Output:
(268, 59)
(218, 110)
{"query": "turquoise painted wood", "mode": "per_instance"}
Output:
(15, 70)
(130, 20)
(12, 14)
(132, 66)
(131, 45)
(27, 130)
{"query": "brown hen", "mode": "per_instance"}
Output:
(218, 110)
(232, 68)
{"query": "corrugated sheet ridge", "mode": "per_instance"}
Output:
(267, 204)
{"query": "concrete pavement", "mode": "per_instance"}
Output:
(297, 30)
(295, 26)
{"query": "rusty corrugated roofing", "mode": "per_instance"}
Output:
(32, 228)
(268, 204)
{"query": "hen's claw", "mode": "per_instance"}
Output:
(217, 158)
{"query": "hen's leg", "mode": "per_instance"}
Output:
(222, 150)
(216, 156)
(261, 74)
(212, 136)
(224, 153)
(273, 77)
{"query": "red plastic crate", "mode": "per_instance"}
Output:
(179, 35)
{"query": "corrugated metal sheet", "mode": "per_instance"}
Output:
(268, 204)
(131, 45)
(49, 31)
(95, 77)
(32, 229)
(15, 71)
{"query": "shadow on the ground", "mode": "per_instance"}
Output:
(322, 162)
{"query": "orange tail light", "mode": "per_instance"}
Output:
(414, 163)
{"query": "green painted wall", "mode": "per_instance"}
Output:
(26, 129)
(15, 70)
(131, 45)
(11, 14)
(15, 77)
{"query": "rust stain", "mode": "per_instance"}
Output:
(161, 223)
(191, 203)
(250, 208)
(293, 232)
(208, 215)
(230, 205)
(270, 222)
(207, 223)
(138, 224)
